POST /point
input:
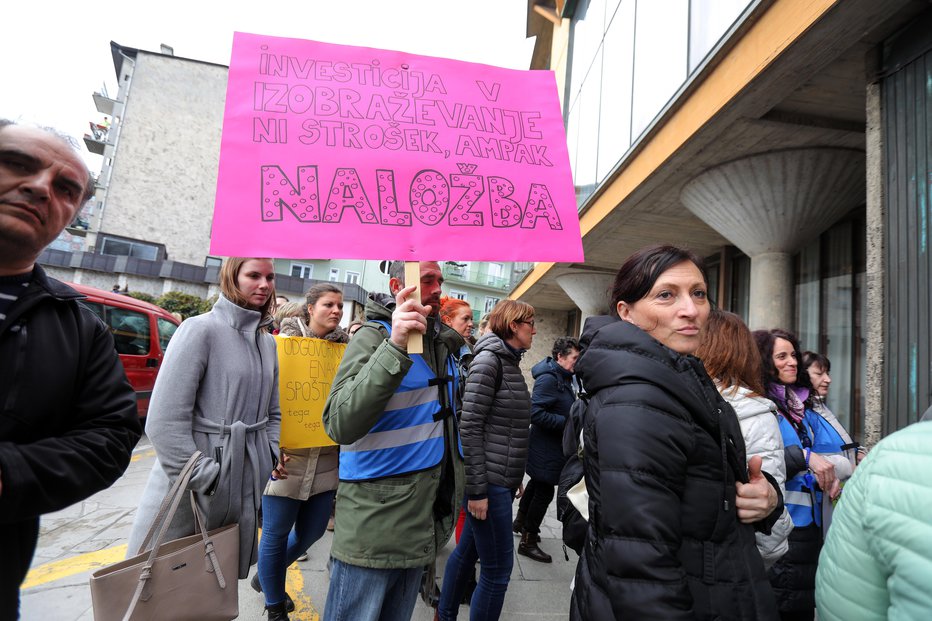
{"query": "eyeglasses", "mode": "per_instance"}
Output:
(530, 323)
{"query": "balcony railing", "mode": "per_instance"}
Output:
(477, 277)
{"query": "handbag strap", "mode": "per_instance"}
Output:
(180, 483)
(162, 522)
(210, 555)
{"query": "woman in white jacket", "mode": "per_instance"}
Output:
(732, 360)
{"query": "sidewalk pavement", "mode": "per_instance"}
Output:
(80, 539)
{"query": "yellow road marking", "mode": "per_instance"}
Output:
(138, 456)
(294, 584)
(56, 570)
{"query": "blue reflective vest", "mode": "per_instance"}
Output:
(409, 435)
(803, 497)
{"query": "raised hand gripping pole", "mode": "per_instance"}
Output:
(413, 277)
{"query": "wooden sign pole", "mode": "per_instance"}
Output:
(413, 277)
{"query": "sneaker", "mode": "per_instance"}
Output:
(302, 558)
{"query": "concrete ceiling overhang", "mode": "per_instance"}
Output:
(795, 79)
(779, 200)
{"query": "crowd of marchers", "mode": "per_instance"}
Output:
(714, 480)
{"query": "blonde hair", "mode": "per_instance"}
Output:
(229, 272)
(288, 309)
(507, 312)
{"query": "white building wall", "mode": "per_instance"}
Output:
(165, 172)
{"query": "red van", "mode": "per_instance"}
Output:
(141, 332)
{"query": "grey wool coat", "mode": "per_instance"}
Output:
(495, 424)
(217, 392)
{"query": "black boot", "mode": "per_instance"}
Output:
(257, 587)
(277, 612)
(529, 548)
(517, 526)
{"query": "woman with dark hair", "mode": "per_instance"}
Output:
(817, 367)
(551, 400)
(730, 357)
(298, 498)
(813, 468)
(217, 393)
(673, 504)
(494, 432)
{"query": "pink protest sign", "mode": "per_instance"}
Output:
(333, 151)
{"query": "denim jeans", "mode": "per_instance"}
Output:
(491, 542)
(368, 594)
(534, 503)
(281, 544)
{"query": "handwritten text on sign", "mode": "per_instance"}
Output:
(306, 368)
(333, 151)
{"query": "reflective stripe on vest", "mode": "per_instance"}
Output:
(406, 438)
(798, 499)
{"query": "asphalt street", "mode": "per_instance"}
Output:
(84, 537)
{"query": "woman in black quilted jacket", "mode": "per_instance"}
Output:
(673, 505)
(494, 429)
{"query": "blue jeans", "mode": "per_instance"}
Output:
(281, 544)
(491, 542)
(367, 594)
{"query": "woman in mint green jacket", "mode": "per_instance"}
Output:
(877, 559)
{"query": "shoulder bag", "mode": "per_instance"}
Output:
(194, 577)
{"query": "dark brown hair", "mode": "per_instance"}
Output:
(729, 353)
(810, 358)
(641, 270)
(765, 340)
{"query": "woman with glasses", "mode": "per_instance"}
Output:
(494, 430)
(814, 470)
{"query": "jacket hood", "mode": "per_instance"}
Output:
(493, 343)
(379, 307)
(620, 353)
(549, 365)
(745, 403)
(617, 352)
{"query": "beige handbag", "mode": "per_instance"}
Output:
(194, 577)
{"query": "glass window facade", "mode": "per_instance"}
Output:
(830, 302)
(628, 58)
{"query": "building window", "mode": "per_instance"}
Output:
(352, 278)
(302, 270)
(496, 275)
(490, 303)
(457, 295)
(129, 248)
(213, 262)
(334, 274)
(830, 301)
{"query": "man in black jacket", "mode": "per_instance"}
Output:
(68, 419)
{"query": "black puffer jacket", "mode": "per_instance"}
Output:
(550, 403)
(494, 425)
(662, 454)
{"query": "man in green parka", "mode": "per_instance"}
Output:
(401, 469)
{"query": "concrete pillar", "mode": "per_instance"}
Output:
(771, 204)
(589, 291)
(875, 321)
(772, 291)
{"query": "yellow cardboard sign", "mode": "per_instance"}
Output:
(306, 368)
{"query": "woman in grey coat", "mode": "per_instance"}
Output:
(494, 428)
(217, 392)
